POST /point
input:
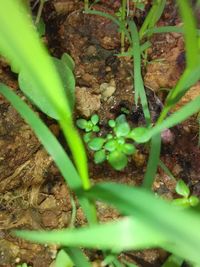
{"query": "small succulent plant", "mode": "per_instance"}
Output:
(116, 146)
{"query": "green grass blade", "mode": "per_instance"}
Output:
(191, 41)
(138, 82)
(155, 223)
(180, 228)
(177, 117)
(124, 234)
(152, 17)
(160, 5)
(153, 161)
(173, 261)
(51, 145)
(166, 170)
(78, 257)
(63, 259)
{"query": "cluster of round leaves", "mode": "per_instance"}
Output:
(116, 146)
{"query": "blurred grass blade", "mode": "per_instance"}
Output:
(172, 224)
(63, 259)
(177, 117)
(192, 72)
(52, 146)
(156, 225)
(190, 34)
(173, 261)
(153, 161)
(78, 257)
(124, 234)
(31, 57)
(138, 82)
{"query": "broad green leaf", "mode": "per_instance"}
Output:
(81, 123)
(63, 259)
(122, 129)
(96, 143)
(29, 88)
(95, 119)
(140, 135)
(99, 156)
(111, 123)
(129, 149)
(118, 160)
(68, 61)
(68, 80)
(111, 145)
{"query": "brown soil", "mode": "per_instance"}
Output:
(33, 194)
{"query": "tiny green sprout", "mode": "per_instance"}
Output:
(90, 125)
(186, 201)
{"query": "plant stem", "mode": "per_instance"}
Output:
(86, 4)
(123, 20)
(39, 13)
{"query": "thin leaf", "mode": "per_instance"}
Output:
(173, 261)
(117, 236)
(78, 257)
(153, 161)
(138, 82)
(191, 42)
(160, 216)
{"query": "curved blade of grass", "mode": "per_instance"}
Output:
(155, 223)
(63, 259)
(173, 261)
(52, 146)
(179, 228)
(138, 82)
(31, 57)
(192, 72)
(78, 257)
(190, 34)
(153, 161)
(153, 16)
(124, 234)
(177, 117)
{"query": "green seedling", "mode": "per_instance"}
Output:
(114, 146)
(186, 199)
